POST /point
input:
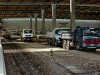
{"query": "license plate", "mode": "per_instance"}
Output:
(92, 45)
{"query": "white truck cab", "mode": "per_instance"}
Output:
(27, 34)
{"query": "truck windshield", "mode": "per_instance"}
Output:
(60, 31)
(27, 31)
(91, 32)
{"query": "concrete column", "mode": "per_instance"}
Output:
(43, 21)
(35, 16)
(53, 16)
(72, 14)
(30, 22)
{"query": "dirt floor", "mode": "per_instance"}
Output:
(20, 60)
(27, 58)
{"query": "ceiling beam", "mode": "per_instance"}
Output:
(33, 10)
(84, 17)
(42, 3)
(83, 1)
(33, 0)
(19, 2)
(23, 3)
(8, 0)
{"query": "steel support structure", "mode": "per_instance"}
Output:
(31, 22)
(72, 15)
(53, 16)
(35, 16)
(43, 21)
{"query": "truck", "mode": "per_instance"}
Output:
(82, 38)
(54, 37)
(27, 35)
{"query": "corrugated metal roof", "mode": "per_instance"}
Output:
(85, 9)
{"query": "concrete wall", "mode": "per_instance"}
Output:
(22, 23)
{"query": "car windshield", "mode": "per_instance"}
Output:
(60, 31)
(27, 31)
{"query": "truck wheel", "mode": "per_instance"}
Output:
(49, 42)
(64, 44)
(55, 44)
(67, 45)
(22, 39)
(78, 47)
(93, 50)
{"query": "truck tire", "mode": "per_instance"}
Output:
(55, 44)
(78, 47)
(93, 50)
(49, 42)
(66, 45)
(22, 39)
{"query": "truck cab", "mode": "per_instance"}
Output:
(82, 38)
(58, 34)
(86, 38)
(27, 34)
(54, 38)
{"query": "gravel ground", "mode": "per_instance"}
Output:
(41, 53)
